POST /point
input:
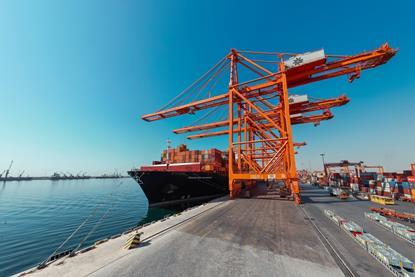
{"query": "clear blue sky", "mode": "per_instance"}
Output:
(76, 75)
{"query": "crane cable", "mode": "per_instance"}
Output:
(97, 223)
(218, 76)
(193, 84)
(71, 235)
(79, 227)
(206, 115)
(219, 111)
(213, 84)
(92, 230)
(200, 86)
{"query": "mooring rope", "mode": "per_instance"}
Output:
(43, 263)
(71, 235)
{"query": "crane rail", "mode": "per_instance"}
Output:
(341, 262)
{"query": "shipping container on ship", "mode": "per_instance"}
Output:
(183, 175)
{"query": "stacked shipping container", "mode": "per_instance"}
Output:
(183, 159)
(389, 184)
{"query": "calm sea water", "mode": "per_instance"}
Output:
(37, 216)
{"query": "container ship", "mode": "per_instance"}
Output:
(183, 175)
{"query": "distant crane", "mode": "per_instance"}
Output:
(2, 173)
(56, 175)
(21, 174)
(379, 168)
(8, 170)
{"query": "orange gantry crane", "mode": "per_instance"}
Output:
(344, 167)
(380, 169)
(259, 111)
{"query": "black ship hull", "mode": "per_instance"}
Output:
(164, 188)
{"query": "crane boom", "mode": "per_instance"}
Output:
(8, 170)
(298, 108)
(295, 120)
(342, 65)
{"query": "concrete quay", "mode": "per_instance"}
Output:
(260, 236)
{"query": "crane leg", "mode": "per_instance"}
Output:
(295, 190)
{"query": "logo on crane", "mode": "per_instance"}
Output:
(298, 61)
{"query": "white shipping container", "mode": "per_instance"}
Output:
(355, 187)
(380, 218)
(329, 213)
(294, 98)
(361, 239)
(387, 257)
(387, 224)
(305, 58)
(405, 262)
(352, 227)
(397, 225)
(339, 220)
(376, 216)
(409, 234)
(374, 240)
(367, 239)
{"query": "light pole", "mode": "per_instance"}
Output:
(324, 163)
(322, 157)
(168, 141)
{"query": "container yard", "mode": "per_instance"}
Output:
(379, 187)
(403, 231)
(339, 213)
(398, 264)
